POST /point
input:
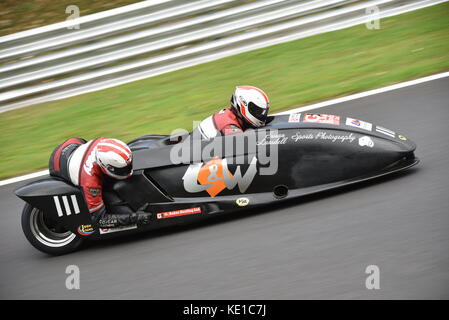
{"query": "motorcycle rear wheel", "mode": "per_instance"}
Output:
(45, 235)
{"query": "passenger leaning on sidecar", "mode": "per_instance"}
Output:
(85, 164)
(248, 109)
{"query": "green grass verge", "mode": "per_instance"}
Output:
(294, 73)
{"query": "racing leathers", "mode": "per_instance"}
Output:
(222, 123)
(75, 161)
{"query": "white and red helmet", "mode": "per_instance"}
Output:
(252, 104)
(115, 158)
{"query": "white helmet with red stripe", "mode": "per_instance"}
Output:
(252, 104)
(115, 158)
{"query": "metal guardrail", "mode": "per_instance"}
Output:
(153, 37)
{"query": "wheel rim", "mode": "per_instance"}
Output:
(46, 233)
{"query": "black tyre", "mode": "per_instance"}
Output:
(45, 235)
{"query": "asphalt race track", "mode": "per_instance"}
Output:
(317, 247)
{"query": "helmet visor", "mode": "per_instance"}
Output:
(258, 112)
(122, 172)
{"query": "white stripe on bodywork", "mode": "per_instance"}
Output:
(58, 206)
(66, 205)
(385, 131)
(75, 204)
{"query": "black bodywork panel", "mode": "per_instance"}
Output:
(312, 157)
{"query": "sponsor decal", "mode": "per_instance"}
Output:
(117, 229)
(385, 131)
(178, 213)
(323, 135)
(335, 137)
(402, 137)
(108, 223)
(241, 202)
(294, 117)
(86, 229)
(243, 101)
(366, 141)
(214, 176)
(94, 192)
(359, 124)
(273, 138)
(322, 118)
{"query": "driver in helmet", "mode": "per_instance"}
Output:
(249, 109)
(86, 164)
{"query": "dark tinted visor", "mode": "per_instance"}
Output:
(257, 112)
(123, 172)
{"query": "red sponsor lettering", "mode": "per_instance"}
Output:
(322, 118)
(177, 213)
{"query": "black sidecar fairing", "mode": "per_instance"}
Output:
(312, 157)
